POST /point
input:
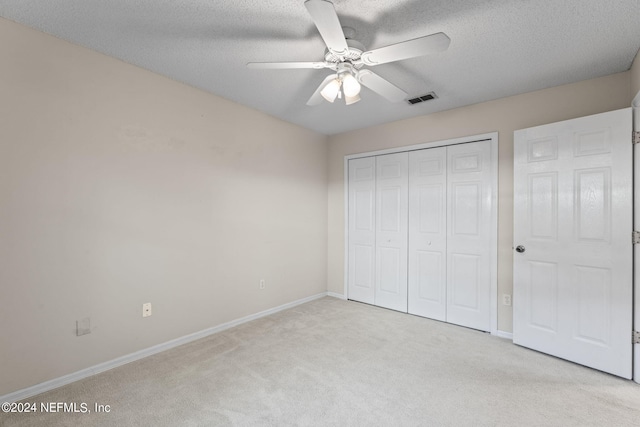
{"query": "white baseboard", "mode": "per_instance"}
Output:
(335, 295)
(503, 334)
(93, 370)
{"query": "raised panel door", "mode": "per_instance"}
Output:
(573, 275)
(391, 231)
(361, 226)
(469, 205)
(427, 281)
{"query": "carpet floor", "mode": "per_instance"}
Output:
(337, 363)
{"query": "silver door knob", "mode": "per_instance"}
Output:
(520, 249)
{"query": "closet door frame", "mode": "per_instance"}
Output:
(493, 137)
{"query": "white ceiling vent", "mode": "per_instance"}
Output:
(427, 97)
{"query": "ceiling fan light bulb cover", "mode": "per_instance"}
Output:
(330, 91)
(350, 86)
(348, 100)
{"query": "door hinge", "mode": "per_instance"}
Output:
(635, 137)
(635, 236)
(635, 339)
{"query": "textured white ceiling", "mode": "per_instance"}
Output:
(498, 47)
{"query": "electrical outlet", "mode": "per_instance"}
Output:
(261, 283)
(146, 309)
(506, 299)
(83, 327)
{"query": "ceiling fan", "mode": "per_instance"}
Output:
(347, 57)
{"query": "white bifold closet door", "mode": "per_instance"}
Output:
(391, 231)
(428, 233)
(469, 235)
(377, 271)
(362, 233)
(419, 228)
(449, 234)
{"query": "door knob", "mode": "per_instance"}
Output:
(520, 249)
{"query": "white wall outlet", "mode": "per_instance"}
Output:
(506, 299)
(261, 283)
(83, 327)
(146, 309)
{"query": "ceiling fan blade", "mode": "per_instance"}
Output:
(324, 16)
(317, 98)
(286, 65)
(433, 43)
(381, 86)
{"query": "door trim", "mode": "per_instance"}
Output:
(493, 137)
(635, 105)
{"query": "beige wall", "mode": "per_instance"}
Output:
(119, 187)
(503, 115)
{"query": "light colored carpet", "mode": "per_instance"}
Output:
(337, 363)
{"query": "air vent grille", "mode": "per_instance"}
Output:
(427, 97)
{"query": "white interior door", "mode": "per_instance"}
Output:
(362, 233)
(572, 226)
(391, 231)
(469, 227)
(428, 233)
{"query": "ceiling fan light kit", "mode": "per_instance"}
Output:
(350, 86)
(331, 91)
(344, 80)
(351, 99)
(346, 57)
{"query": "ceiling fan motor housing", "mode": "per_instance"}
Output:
(353, 54)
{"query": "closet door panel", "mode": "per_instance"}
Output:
(361, 212)
(391, 231)
(427, 281)
(468, 235)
